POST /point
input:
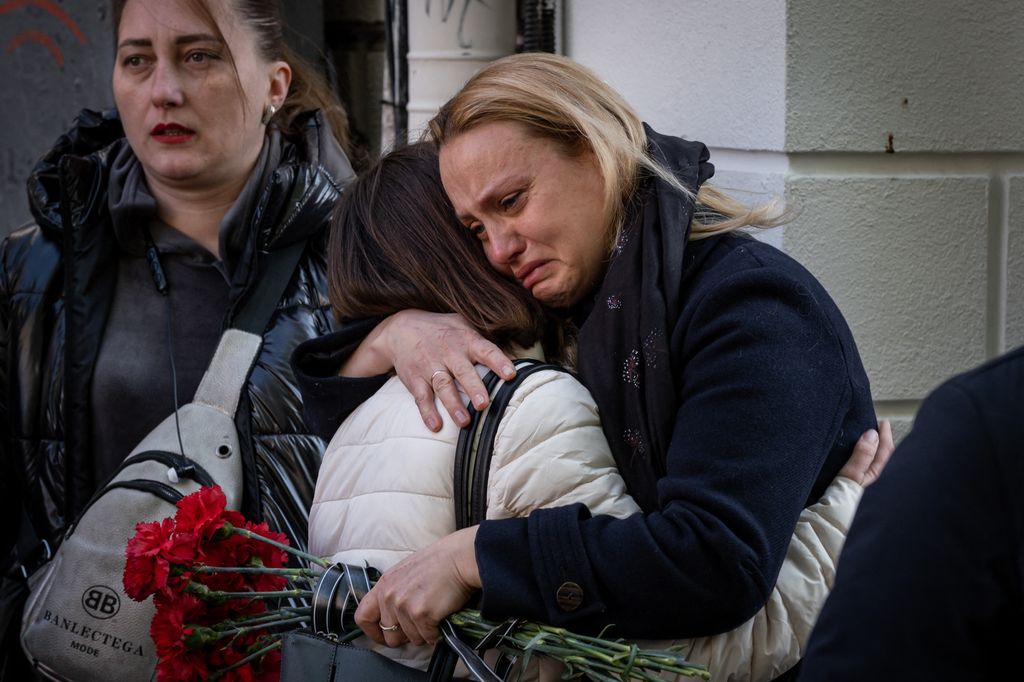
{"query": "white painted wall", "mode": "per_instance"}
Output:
(714, 70)
(939, 75)
(923, 248)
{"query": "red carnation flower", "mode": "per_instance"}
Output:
(146, 570)
(172, 630)
(229, 551)
(150, 538)
(187, 668)
(224, 582)
(182, 552)
(183, 548)
(201, 512)
(235, 609)
(235, 650)
(270, 556)
(144, 576)
(174, 620)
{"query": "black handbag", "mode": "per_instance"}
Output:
(318, 657)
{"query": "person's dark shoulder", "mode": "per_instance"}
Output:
(736, 260)
(713, 259)
(995, 381)
(995, 391)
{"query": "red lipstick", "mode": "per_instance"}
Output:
(171, 133)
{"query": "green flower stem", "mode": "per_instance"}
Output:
(234, 632)
(292, 572)
(275, 644)
(206, 594)
(280, 594)
(581, 653)
(280, 545)
(265, 618)
(601, 659)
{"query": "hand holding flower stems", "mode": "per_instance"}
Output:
(222, 587)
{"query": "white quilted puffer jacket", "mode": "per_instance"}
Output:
(385, 490)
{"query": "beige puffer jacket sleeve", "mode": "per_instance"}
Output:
(774, 640)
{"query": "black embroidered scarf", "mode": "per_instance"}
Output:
(624, 354)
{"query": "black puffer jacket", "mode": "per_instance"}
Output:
(57, 279)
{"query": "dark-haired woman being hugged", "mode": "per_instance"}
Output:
(224, 148)
(729, 386)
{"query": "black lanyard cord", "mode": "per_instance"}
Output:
(163, 287)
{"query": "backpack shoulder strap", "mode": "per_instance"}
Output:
(221, 385)
(271, 281)
(472, 467)
(476, 442)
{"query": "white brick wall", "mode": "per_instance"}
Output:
(859, 235)
(923, 248)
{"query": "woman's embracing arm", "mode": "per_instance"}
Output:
(433, 354)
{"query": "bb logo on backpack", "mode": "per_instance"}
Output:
(101, 602)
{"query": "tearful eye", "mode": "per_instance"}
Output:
(509, 201)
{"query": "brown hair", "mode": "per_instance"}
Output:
(558, 99)
(395, 243)
(308, 89)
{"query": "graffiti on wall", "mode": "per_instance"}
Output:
(37, 36)
(447, 6)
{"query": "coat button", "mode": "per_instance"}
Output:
(569, 596)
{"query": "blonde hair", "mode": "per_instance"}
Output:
(559, 99)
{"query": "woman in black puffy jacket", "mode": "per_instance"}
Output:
(223, 149)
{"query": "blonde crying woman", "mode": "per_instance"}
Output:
(385, 488)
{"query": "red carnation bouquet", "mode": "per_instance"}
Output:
(224, 594)
(220, 586)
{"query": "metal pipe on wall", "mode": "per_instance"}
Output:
(396, 76)
(539, 26)
(449, 40)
